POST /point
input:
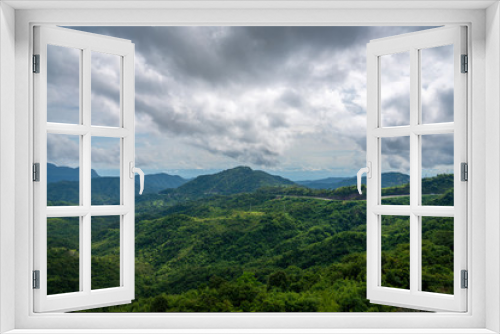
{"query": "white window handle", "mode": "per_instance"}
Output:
(368, 171)
(139, 171)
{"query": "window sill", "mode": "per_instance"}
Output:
(251, 331)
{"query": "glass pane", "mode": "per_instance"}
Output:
(63, 172)
(437, 170)
(106, 162)
(105, 252)
(105, 83)
(437, 78)
(396, 251)
(395, 89)
(63, 84)
(395, 170)
(437, 254)
(63, 255)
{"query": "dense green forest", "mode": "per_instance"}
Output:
(272, 248)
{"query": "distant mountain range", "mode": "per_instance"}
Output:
(63, 184)
(153, 183)
(328, 183)
(231, 181)
(62, 173)
(390, 179)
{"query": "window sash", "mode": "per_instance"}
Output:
(86, 297)
(414, 298)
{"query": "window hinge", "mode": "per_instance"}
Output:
(36, 279)
(464, 171)
(36, 172)
(36, 63)
(465, 64)
(465, 279)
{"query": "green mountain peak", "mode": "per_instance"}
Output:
(241, 179)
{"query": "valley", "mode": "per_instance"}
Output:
(247, 241)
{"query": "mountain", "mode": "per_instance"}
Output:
(289, 249)
(62, 173)
(259, 252)
(105, 189)
(231, 181)
(393, 179)
(390, 179)
(154, 183)
(328, 183)
(434, 185)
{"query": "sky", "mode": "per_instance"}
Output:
(287, 100)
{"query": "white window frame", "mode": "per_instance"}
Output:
(484, 212)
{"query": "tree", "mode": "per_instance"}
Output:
(278, 280)
(159, 304)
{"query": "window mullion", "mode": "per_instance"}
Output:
(414, 171)
(86, 142)
(414, 121)
(85, 254)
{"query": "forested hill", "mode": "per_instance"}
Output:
(390, 179)
(161, 181)
(171, 189)
(283, 248)
(153, 182)
(231, 181)
(327, 183)
(63, 186)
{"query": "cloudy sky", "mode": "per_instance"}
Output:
(288, 100)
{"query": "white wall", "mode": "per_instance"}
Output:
(479, 124)
(7, 160)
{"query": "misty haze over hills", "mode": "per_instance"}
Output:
(63, 184)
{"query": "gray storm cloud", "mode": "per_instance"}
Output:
(105, 89)
(437, 84)
(63, 150)
(395, 154)
(63, 86)
(249, 94)
(437, 151)
(105, 152)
